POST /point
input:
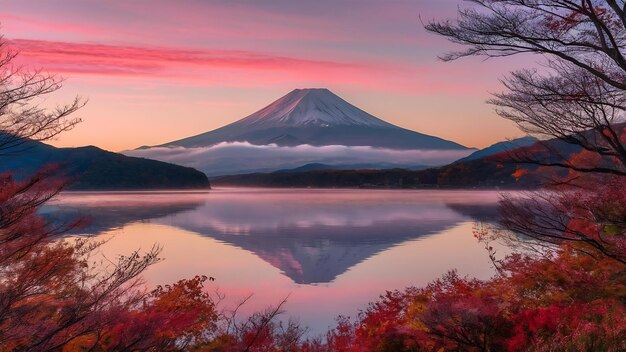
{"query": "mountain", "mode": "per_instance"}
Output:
(93, 168)
(310, 167)
(501, 147)
(306, 126)
(320, 167)
(316, 117)
(492, 167)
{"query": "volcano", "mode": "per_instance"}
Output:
(316, 117)
(303, 127)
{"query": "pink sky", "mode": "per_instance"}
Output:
(156, 71)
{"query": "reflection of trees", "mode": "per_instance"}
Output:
(102, 218)
(478, 212)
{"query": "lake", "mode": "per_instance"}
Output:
(330, 251)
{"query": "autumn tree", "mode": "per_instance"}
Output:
(580, 86)
(52, 297)
(574, 101)
(577, 94)
(49, 295)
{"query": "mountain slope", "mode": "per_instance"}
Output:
(311, 107)
(501, 147)
(93, 168)
(325, 167)
(316, 117)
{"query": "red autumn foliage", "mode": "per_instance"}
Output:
(561, 302)
(50, 298)
(53, 299)
(168, 318)
(563, 291)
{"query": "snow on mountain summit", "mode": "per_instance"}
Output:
(316, 117)
(311, 107)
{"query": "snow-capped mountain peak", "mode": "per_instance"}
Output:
(316, 117)
(311, 107)
(305, 126)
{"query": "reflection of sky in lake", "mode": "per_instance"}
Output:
(333, 250)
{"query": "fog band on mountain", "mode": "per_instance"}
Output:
(243, 157)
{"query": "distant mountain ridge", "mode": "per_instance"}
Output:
(322, 167)
(501, 147)
(490, 167)
(317, 117)
(501, 165)
(91, 168)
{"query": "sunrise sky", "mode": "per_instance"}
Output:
(156, 71)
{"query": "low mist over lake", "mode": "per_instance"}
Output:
(331, 251)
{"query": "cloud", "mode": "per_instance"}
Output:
(235, 68)
(241, 157)
(86, 58)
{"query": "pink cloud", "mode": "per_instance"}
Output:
(212, 67)
(82, 58)
(234, 68)
(98, 63)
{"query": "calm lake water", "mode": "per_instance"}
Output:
(331, 251)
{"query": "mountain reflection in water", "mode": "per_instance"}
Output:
(311, 236)
(350, 244)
